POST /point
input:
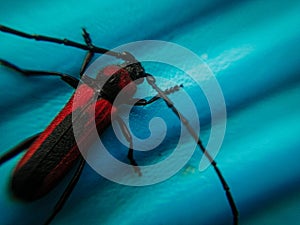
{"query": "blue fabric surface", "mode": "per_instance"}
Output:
(252, 48)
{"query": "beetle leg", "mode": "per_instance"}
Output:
(86, 62)
(128, 137)
(64, 197)
(90, 54)
(143, 102)
(18, 149)
(72, 81)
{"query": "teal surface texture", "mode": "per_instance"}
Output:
(253, 49)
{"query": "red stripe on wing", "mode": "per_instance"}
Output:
(86, 93)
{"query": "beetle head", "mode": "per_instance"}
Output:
(134, 68)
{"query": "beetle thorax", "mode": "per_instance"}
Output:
(116, 79)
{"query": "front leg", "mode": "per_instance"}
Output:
(144, 102)
(128, 137)
(90, 54)
(72, 81)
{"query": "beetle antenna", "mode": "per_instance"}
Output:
(170, 104)
(66, 42)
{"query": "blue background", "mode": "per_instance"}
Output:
(252, 48)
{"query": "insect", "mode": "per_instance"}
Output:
(53, 152)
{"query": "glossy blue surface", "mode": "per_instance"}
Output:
(252, 48)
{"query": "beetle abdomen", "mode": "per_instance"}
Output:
(31, 180)
(54, 153)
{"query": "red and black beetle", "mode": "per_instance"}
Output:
(53, 152)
